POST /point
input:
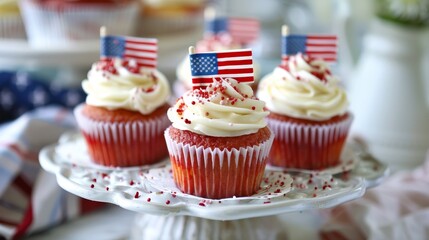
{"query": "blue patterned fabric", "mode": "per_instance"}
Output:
(20, 92)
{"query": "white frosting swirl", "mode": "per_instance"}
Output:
(225, 108)
(114, 86)
(303, 89)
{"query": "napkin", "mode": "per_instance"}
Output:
(397, 209)
(30, 198)
(22, 91)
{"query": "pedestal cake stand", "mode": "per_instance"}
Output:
(167, 213)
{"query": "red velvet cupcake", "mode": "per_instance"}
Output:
(66, 22)
(308, 114)
(218, 142)
(124, 117)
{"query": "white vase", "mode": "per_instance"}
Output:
(387, 96)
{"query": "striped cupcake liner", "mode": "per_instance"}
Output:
(12, 27)
(133, 143)
(305, 146)
(46, 26)
(218, 173)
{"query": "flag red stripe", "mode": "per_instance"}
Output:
(320, 52)
(329, 59)
(130, 56)
(309, 37)
(146, 65)
(139, 50)
(320, 45)
(245, 79)
(234, 54)
(210, 80)
(235, 62)
(152, 43)
(202, 80)
(235, 71)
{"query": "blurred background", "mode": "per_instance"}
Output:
(53, 43)
(48, 46)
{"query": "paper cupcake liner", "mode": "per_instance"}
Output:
(46, 26)
(12, 27)
(218, 173)
(168, 24)
(133, 143)
(305, 146)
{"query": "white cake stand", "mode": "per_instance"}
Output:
(167, 213)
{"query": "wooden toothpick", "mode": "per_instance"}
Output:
(103, 31)
(285, 30)
(191, 50)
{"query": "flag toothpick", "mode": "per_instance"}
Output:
(143, 51)
(315, 46)
(209, 13)
(103, 31)
(285, 30)
(191, 50)
(237, 64)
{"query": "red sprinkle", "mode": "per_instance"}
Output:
(131, 182)
(201, 204)
(253, 107)
(137, 195)
(107, 188)
(187, 121)
(148, 199)
(167, 202)
(94, 180)
(92, 185)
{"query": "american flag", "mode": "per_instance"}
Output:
(242, 30)
(141, 50)
(315, 46)
(237, 64)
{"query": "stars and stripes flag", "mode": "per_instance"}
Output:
(141, 50)
(242, 30)
(315, 46)
(237, 64)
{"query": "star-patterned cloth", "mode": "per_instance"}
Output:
(20, 92)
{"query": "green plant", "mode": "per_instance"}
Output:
(405, 12)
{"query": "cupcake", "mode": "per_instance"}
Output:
(170, 16)
(209, 43)
(124, 117)
(308, 114)
(64, 22)
(219, 141)
(11, 25)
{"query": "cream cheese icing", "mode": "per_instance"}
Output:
(305, 89)
(117, 84)
(225, 108)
